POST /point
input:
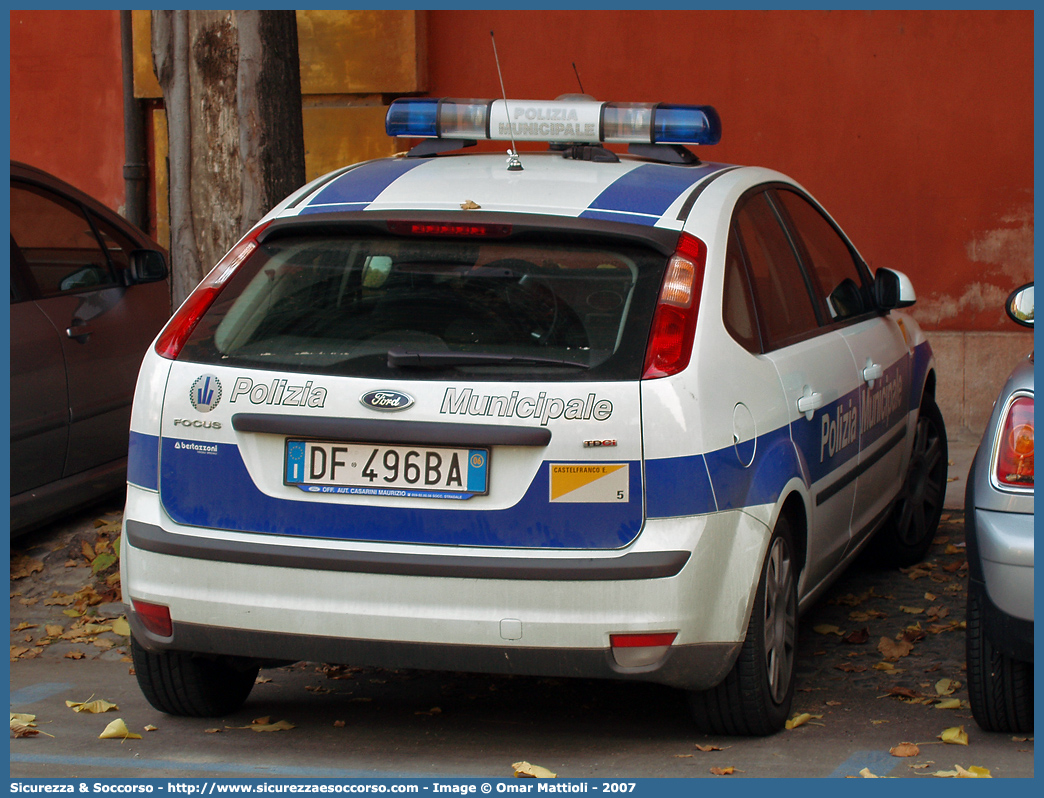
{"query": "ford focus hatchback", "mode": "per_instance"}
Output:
(569, 413)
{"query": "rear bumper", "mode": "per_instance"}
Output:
(519, 611)
(1004, 544)
(696, 666)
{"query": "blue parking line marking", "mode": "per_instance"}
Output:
(38, 692)
(218, 767)
(880, 763)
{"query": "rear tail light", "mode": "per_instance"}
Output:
(154, 617)
(674, 323)
(184, 321)
(638, 650)
(1014, 459)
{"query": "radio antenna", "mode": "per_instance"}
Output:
(577, 73)
(514, 163)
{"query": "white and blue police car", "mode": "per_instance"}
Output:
(572, 413)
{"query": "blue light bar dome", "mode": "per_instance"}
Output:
(570, 119)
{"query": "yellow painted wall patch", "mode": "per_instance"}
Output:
(590, 482)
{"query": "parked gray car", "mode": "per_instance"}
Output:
(88, 295)
(999, 529)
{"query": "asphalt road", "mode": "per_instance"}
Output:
(353, 723)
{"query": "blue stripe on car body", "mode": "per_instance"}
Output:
(356, 189)
(207, 485)
(646, 192)
(922, 357)
(143, 461)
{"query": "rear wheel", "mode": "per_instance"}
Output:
(180, 683)
(1000, 688)
(755, 697)
(910, 530)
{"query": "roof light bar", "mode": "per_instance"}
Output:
(568, 121)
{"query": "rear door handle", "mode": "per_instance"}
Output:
(872, 371)
(809, 402)
(80, 333)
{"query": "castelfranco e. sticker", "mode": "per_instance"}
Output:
(546, 408)
(278, 392)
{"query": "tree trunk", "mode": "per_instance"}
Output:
(232, 91)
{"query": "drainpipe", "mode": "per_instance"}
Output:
(135, 167)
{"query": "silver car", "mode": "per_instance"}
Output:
(999, 528)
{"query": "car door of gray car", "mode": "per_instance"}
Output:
(39, 400)
(100, 331)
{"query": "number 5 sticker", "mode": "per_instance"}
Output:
(601, 483)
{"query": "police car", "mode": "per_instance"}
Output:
(571, 412)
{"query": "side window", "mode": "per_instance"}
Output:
(59, 246)
(834, 271)
(737, 309)
(781, 295)
(117, 245)
(19, 290)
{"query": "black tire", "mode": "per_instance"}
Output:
(1000, 688)
(755, 698)
(180, 683)
(910, 529)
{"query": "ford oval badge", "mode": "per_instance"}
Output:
(386, 400)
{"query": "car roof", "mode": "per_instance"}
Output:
(630, 191)
(33, 174)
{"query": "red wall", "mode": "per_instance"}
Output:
(915, 129)
(67, 98)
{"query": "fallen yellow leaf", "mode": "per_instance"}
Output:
(827, 629)
(23, 566)
(18, 730)
(121, 627)
(117, 730)
(893, 649)
(946, 687)
(866, 774)
(905, 749)
(524, 770)
(150, 727)
(93, 707)
(282, 725)
(955, 735)
(707, 748)
(973, 772)
(723, 771)
(798, 720)
(949, 703)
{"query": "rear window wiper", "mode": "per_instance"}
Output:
(401, 358)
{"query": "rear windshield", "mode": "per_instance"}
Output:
(417, 308)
